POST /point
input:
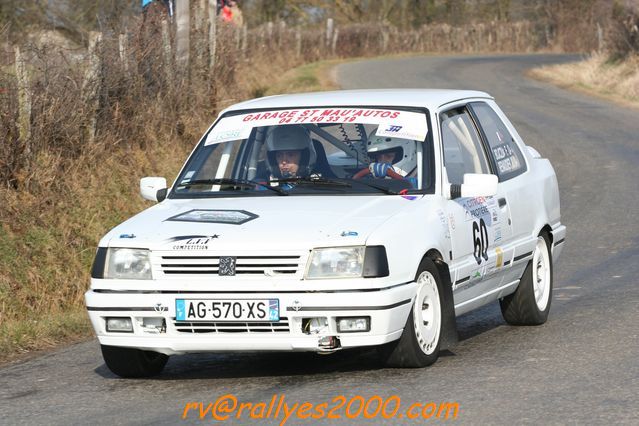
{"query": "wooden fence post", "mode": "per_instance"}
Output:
(123, 47)
(244, 41)
(212, 34)
(384, 39)
(24, 104)
(298, 42)
(166, 52)
(182, 45)
(334, 42)
(269, 33)
(329, 33)
(200, 29)
(600, 39)
(280, 33)
(91, 84)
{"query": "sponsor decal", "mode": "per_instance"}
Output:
(233, 217)
(404, 194)
(127, 235)
(500, 257)
(349, 234)
(506, 158)
(403, 124)
(444, 222)
(393, 128)
(480, 208)
(192, 242)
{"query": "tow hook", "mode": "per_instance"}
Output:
(328, 344)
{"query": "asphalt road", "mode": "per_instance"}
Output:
(581, 367)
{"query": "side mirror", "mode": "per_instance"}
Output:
(475, 185)
(153, 188)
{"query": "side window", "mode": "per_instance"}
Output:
(509, 160)
(463, 151)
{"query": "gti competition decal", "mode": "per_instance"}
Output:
(191, 242)
(391, 123)
(233, 217)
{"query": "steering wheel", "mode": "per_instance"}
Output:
(390, 173)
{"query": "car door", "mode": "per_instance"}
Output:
(478, 225)
(509, 164)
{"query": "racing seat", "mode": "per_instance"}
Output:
(321, 163)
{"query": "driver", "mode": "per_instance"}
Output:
(290, 152)
(396, 154)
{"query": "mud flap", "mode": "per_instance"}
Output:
(449, 325)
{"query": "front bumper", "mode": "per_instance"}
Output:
(387, 308)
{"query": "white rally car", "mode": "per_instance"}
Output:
(327, 221)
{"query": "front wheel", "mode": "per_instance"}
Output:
(530, 303)
(129, 362)
(420, 341)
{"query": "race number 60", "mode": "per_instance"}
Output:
(480, 240)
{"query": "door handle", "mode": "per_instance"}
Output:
(502, 202)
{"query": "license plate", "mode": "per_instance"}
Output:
(227, 310)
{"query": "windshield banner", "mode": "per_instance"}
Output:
(391, 123)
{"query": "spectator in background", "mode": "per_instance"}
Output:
(230, 12)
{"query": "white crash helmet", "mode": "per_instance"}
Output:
(405, 161)
(290, 138)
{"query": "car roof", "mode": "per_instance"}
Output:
(428, 98)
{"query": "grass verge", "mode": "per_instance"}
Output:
(616, 81)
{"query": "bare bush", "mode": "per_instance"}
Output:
(623, 36)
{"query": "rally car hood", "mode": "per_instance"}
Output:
(257, 223)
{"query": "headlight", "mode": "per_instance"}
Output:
(126, 263)
(337, 262)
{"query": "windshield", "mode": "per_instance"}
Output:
(302, 151)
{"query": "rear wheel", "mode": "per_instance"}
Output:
(530, 303)
(129, 362)
(420, 341)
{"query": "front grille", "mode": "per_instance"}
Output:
(281, 326)
(245, 265)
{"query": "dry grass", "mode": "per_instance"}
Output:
(617, 81)
(47, 248)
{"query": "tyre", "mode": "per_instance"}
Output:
(530, 303)
(129, 362)
(420, 341)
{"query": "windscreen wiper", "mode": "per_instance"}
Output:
(313, 180)
(379, 187)
(228, 181)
